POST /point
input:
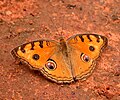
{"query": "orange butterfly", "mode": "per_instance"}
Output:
(64, 61)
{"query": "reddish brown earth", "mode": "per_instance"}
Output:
(26, 20)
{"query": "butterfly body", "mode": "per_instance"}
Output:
(64, 61)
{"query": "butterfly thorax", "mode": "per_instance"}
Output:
(63, 47)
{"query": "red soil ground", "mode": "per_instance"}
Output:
(26, 20)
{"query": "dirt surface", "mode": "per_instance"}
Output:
(22, 21)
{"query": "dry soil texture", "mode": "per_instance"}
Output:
(22, 21)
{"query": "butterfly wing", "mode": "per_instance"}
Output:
(58, 69)
(35, 53)
(46, 57)
(84, 50)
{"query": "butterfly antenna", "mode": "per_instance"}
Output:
(53, 23)
(60, 33)
(63, 18)
(52, 20)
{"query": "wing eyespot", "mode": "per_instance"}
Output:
(85, 57)
(91, 48)
(35, 56)
(51, 64)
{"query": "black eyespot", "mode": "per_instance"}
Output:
(35, 56)
(85, 58)
(91, 48)
(51, 65)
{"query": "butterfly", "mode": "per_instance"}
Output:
(65, 61)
